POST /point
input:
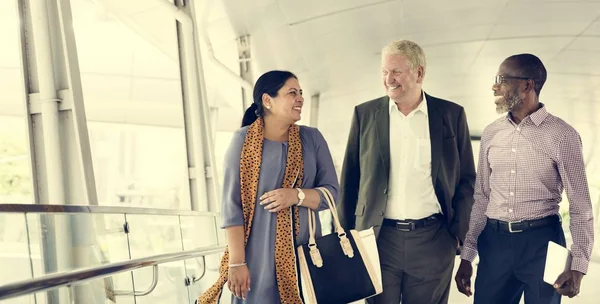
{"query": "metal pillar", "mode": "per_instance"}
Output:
(199, 140)
(61, 161)
(246, 72)
(55, 106)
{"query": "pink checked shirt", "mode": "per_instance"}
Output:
(521, 174)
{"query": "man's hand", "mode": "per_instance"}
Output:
(568, 283)
(463, 278)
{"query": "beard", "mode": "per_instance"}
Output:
(508, 103)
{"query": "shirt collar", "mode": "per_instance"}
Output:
(540, 115)
(422, 106)
(536, 117)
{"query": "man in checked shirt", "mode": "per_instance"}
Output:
(527, 157)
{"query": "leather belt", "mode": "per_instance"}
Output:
(522, 226)
(410, 225)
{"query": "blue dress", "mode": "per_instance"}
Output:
(319, 171)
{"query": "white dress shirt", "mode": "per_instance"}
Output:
(410, 189)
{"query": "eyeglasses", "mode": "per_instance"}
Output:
(499, 79)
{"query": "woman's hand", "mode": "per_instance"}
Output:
(239, 281)
(279, 199)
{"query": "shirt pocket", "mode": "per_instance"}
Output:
(423, 154)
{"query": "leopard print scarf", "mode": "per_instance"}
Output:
(285, 258)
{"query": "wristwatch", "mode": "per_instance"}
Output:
(301, 197)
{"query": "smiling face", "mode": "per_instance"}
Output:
(508, 95)
(287, 105)
(399, 79)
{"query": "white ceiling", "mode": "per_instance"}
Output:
(334, 46)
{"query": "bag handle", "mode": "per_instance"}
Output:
(344, 242)
(315, 254)
(333, 209)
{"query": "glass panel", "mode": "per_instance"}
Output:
(28, 299)
(140, 166)
(61, 242)
(69, 241)
(102, 291)
(199, 231)
(14, 253)
(15, 172)
(222, 91)
(211, 276)
(129, 62)
(98, 291)
(213, 263)
(151, 235)
(220, 41)
(171, 284)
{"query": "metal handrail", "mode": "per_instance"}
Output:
(39, 208)
(75, 277)
(145, 292)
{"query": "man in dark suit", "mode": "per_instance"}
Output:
(409, 172)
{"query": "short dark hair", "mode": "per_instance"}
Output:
(530, 66)
(269, 83)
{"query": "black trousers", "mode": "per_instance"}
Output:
(511, 264)
(416, 266)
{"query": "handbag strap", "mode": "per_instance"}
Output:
(312, 226)
(344, 242)
(315, 254)
(333, 209)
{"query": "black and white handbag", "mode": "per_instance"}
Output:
(341, 267)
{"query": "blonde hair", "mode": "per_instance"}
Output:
(412, 51)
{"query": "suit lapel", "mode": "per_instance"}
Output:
(382, 120)
(436, 131)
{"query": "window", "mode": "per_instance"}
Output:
(15, 170)
(129, 62)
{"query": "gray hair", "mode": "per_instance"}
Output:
(412, 51)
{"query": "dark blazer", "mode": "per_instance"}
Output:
(365, 172)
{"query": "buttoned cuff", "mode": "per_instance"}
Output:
(580, 264)
(468, 254)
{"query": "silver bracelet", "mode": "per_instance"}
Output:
(237, 265)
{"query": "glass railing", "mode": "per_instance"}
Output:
(80, 290)
(41, 240)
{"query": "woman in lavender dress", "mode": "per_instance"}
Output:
(252, 268)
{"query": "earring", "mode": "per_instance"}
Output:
(268, 107)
